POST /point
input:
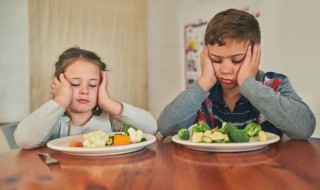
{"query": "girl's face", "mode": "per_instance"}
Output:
(227, 61)
(84, 78)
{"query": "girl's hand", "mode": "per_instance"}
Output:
(250, 66)
(208, 78)
(62, 91)
(105, 101)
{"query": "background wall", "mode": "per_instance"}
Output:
(14, 70)
(290, 42)
(115, 30)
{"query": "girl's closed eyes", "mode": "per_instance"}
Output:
(77, 82)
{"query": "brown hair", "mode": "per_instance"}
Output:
(234, 24)
(73, 54)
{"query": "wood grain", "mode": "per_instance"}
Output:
(287, 164)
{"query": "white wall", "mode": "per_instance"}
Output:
(14, 69)
(165, 79)
(290, 42)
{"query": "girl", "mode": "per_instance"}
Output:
(80, 104)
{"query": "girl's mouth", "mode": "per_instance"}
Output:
(83, 101)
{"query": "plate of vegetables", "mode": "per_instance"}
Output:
(100, 143)
(228, 138)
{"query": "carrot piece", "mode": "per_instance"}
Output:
(75, 143)
(121, 140)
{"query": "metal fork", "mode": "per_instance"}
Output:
(52, 163)
(167, 139)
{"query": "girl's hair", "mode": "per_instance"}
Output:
(73, 54)
(234, 24)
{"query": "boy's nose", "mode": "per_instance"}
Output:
(226, 68)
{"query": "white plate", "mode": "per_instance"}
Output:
(254, 144)
(61, 144)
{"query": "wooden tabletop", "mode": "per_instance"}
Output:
(287, 164)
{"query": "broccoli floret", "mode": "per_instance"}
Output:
(126, 127)
(200, 127)
(252, 129)
(227, 128)
(184, 134)
(239, 136)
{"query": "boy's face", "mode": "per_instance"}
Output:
(227, 61)
(84, 78)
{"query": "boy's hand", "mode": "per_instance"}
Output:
(104, 100)
(250, 66)
(62, 91)
(208, 78)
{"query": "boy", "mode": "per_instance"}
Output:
(232, 89)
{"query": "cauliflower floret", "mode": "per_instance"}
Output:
(95, 139)
(135, 135)
(207, 133)
(197, 137)
(216, 136)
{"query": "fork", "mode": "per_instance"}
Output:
(167, 140)
(52, 163)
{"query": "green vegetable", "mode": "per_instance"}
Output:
(227, 128)
(239, 135)
(200, 127)
(184, 134)
(252, 129)
(126, 127)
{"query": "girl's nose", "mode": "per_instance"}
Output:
(84, 90)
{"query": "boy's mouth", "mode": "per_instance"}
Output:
(225, 81)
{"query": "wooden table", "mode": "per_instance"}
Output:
(287, 164)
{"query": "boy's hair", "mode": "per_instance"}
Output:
(232, 23)
(76, 53)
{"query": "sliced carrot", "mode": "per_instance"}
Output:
(75, 143)
(121, 140)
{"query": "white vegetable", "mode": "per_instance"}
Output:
(207, 133)
(135, 135)
(216, 136)
(197, 137)
(95, 139)
(262, 136)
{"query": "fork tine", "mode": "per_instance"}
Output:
(52, 163)
(54, 167)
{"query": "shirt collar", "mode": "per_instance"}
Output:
(216, 95)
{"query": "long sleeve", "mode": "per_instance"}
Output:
(35, 129)
(137, 117)
(283, 107)
(182, 111)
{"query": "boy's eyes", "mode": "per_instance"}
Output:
(235, 61)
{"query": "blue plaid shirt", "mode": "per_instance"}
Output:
(244, 112)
